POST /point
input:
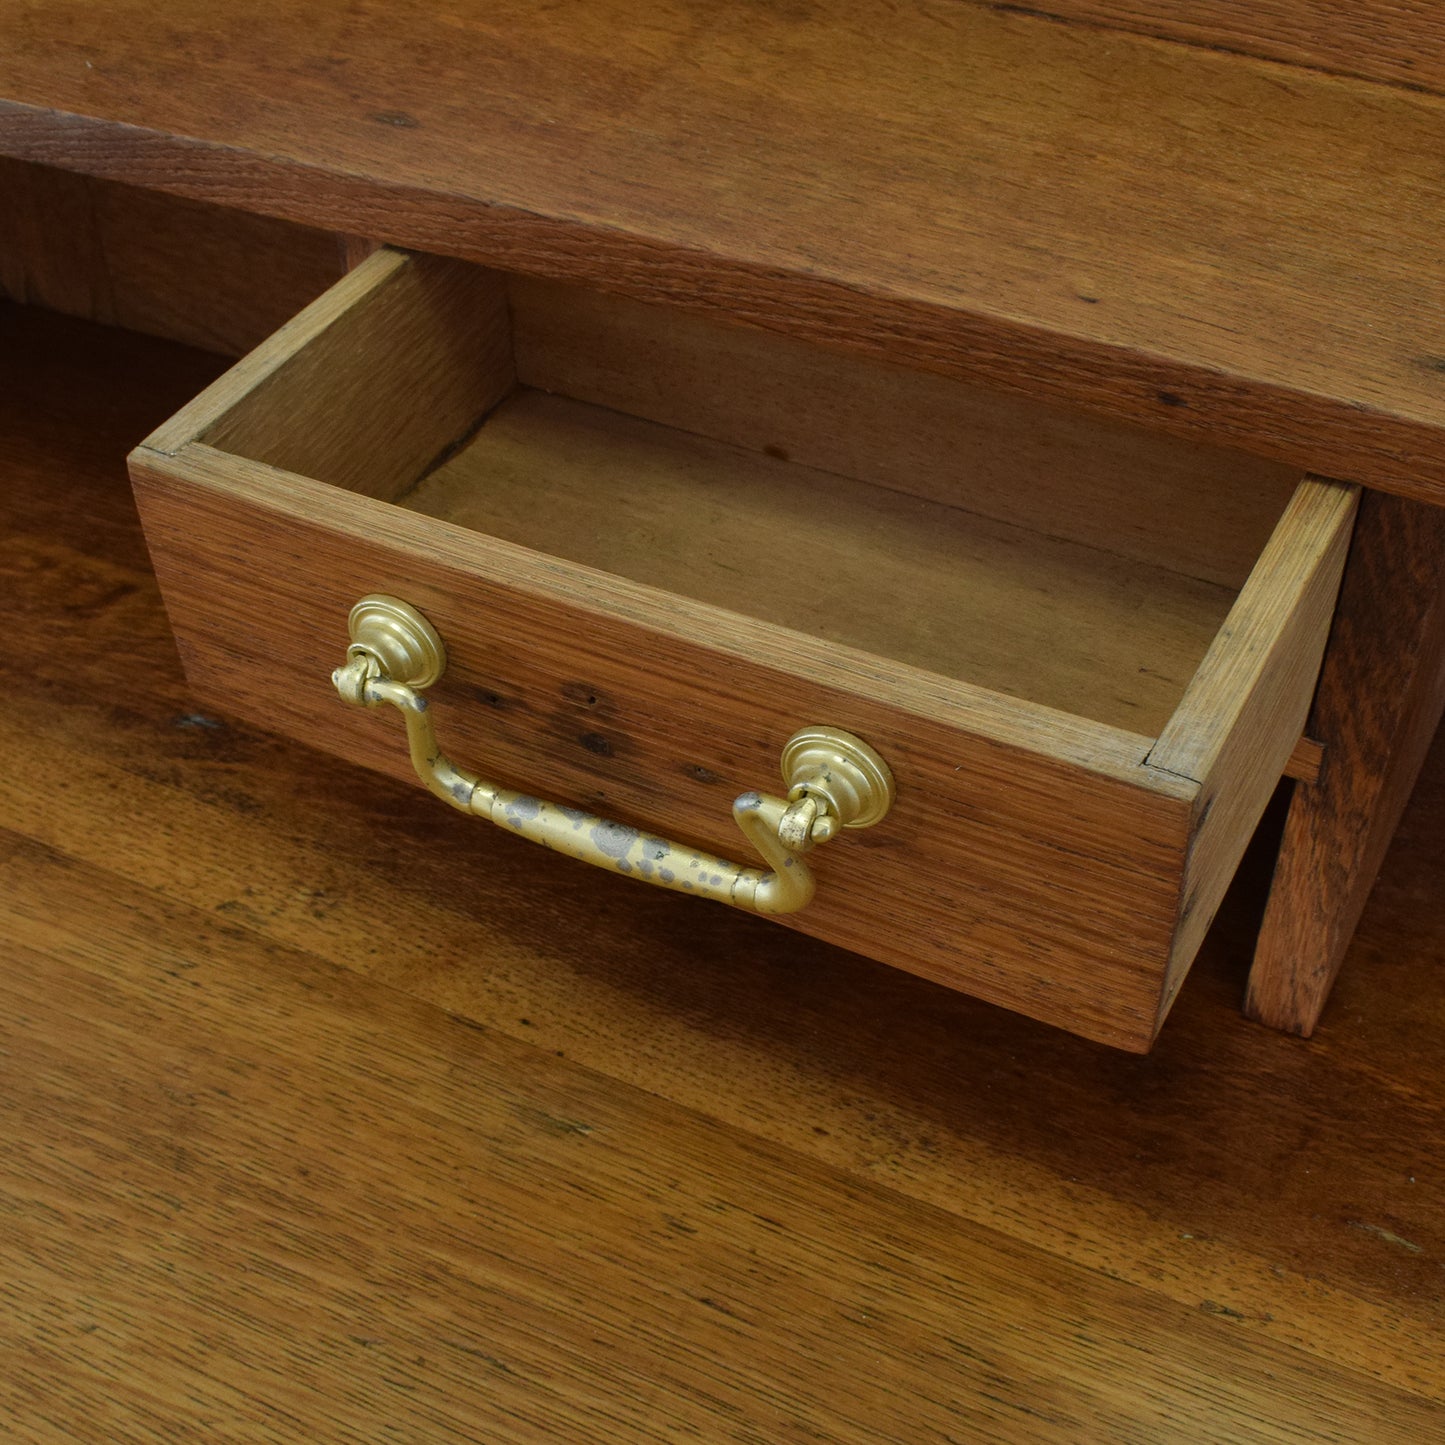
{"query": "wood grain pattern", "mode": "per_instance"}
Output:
(1269, 646)
(1243, 714)
(195, 919)
(1305, 761)
(936, 587)
(1400, 42)
(341, 1207)
(1198, 510)
(1202, 243)
(1380, 700)
(368, 385)
(50, 252)
(215, 278)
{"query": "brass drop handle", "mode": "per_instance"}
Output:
(834, 781)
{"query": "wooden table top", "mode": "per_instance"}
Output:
(1207, 243)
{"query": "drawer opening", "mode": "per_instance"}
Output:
(1074, 563)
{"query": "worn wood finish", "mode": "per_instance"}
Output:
(212, 1127)
(216, 278)
(933, 586)
(1199, 242)
(1379, 702)
(1241, 719)
(1198, 510)
(1400, 42)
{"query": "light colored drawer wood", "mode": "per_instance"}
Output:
(656, 547)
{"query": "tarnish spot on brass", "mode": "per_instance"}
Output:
(576, 816)
(667, 875)
(614, 839)
(521, 810)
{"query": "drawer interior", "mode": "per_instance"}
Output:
(920, 581)
(1078, 564)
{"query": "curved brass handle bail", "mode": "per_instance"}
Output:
(834, 781)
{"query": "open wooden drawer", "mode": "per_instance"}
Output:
(657, 546)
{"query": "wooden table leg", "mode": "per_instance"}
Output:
(1380, 697)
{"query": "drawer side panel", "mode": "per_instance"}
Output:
(1244, 713)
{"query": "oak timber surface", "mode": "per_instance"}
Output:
(205, 275)
(1191, 507)
(1376, 732)
(1398, 41)
(935, 586)
(251, 1190)
(1213, 245)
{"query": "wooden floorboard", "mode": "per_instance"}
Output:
(329, 1116)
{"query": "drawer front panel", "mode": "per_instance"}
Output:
(1031, 859)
